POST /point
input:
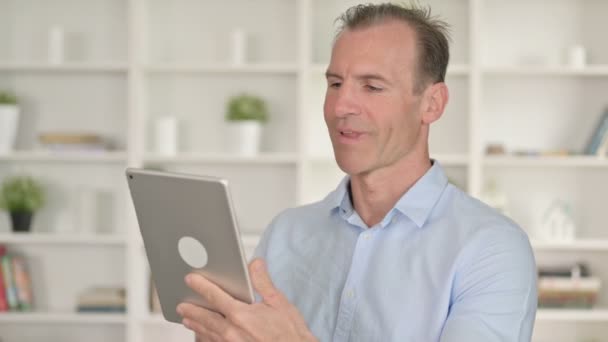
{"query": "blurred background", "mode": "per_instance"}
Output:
(235, 89)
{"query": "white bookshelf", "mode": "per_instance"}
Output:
(559, 315)
(595, 245)
(137, 60)
(67, 67)
(58, 156)
(516, 71)
(579, 161)
(218, 158)
(224, 69)
(63, 318)
(62, 239)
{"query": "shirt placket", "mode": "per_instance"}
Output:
(350, 293)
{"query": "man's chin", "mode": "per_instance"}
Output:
(351, 165)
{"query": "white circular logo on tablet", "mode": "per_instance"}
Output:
(192, 252)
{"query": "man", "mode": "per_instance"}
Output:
(395, 253)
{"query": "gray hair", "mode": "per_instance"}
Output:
(432, 35)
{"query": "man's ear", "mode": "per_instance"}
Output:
(435, 99)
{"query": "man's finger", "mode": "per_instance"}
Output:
(213, 295)
(201, 320)
(262, 283)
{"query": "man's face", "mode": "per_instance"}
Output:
(371, 110)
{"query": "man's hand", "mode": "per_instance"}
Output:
(273, 319)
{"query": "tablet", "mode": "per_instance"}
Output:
(187, 223)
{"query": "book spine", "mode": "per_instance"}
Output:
(3, 299)
(22, 283)
(9, 284)
(601, 129)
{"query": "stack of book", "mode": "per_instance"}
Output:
(72, 142)
(102, 299)
(15, 283)
(569, 287)
(597, 144)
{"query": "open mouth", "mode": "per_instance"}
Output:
(350, 134)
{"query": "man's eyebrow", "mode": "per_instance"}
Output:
(329, 74)
(365, 77)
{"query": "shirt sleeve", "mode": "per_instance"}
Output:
(494, 290)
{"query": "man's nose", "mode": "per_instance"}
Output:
(346, 101)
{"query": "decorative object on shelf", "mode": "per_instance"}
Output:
(102, 299)
(9, 121)
(567, 287)
(492, 196)
(557, 153)
(15, 283)
(245, 115)
(527, 153)
(495, 149)
(596, 144)
(238, 40)
(72, 142)
(165, 139)
(557, 223)
(21, 197)
(86, 200)
(56, 45)
(577, 56)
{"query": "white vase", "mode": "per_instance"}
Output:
(85, 210)
(166, 136)
(239, 46)
(243, 137)
(9, 120)
(56, 45)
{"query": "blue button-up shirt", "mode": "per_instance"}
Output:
(441, 266)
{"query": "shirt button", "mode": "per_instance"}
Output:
(350, 294)
(367, 236)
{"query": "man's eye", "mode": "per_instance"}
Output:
(372, 88)
(335, 84)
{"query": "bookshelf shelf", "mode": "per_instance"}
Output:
(287, 69)
(75, 157)
(216, 158)
(567, 315)
(593, 70)
(156, 318)
(68, 67)
(61, 239)
(62, 318)
(453, 70)
(444, 159)
(546, 161)
(577, 245)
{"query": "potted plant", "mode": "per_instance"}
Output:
(21, 196)
(245, 115)
(9, 117)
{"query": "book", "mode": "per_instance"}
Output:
(102, 299)
(9, 283)
(599, 135)
(23, 283)
(3, 299)
(562, 292)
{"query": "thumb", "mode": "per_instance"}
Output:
(262, 283)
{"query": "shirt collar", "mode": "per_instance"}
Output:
(417, 203)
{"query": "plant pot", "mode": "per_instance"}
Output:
(9, 118)
(243, 137)
(21, 220)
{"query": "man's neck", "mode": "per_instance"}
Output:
(374, 194)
